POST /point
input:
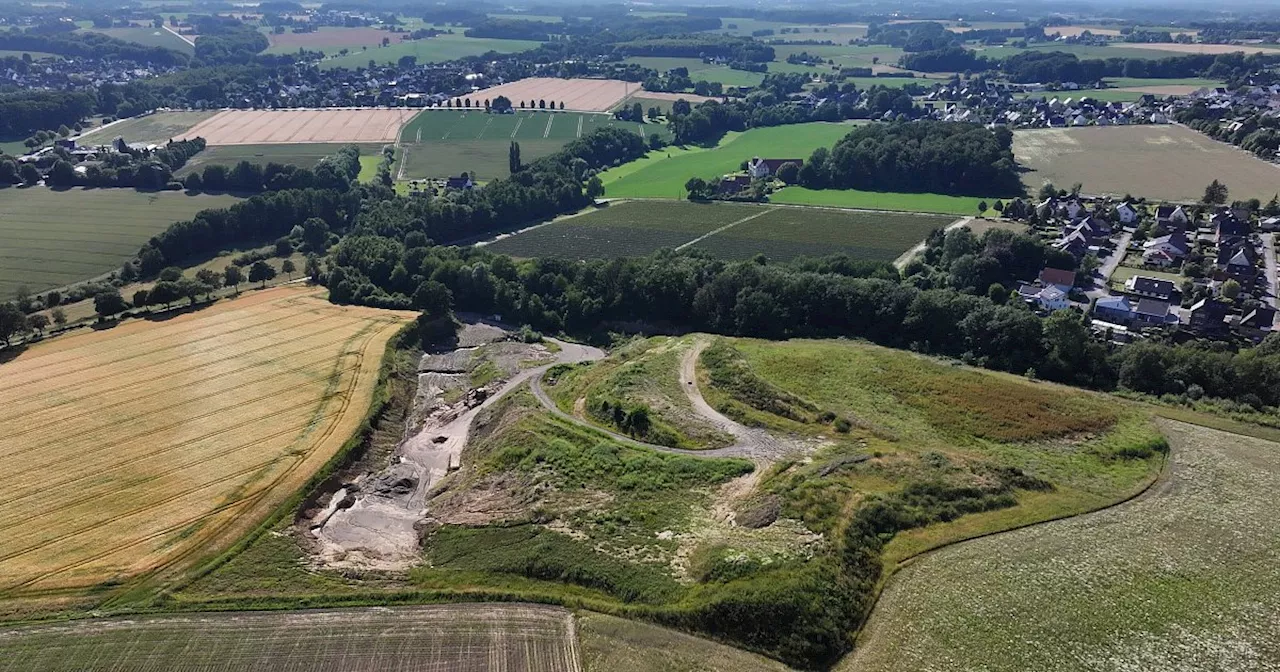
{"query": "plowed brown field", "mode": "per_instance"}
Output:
(147, 445)
(268, 127)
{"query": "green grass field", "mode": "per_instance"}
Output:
(657, 176)
(838, 33)
(302, 154)
(635, 228)
(1182, 578)
(148, 37)
(1082, 51)
(53, 238)
(439, 143)
(154, 128)
(638, 228)
(785, 233)
(702, 71)
(432, 50)
(876, 200)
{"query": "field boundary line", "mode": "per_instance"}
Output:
(515, 130)
(178, 35)
(890, 572)
(546, 133)
(580, 118)
(487, 123)
(726, 227)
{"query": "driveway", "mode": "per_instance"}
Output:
(1103, 274)
(1269, 255)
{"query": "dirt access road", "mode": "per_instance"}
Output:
(753, 444)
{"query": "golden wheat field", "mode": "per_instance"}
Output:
(146, 446)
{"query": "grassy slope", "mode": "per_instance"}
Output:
(1182, 578)
(57, 237)
(149, 37)
(610, 643)
(302, 154)
(662, 177)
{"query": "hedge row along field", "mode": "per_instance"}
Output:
(139, 447)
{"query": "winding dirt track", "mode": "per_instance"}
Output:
(754, 444)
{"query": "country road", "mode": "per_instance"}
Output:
(748, 443)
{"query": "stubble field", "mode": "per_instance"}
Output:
(156, 128)
(463, 638)
(1158, 161)
(53, 238)
(143, 446)
(582, 95)
(258, 127)
(1183, 578)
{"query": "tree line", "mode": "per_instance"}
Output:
(90, 45)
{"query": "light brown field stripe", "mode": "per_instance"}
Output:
(217, 529)
(98, 428)
(165, 331)
(29, 428)
(214, 347)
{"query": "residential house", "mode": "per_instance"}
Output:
(1056, 277)
(1151, 311)
(1227, 228)
(1238, 260)
(461, 182)
(1075, 243)
(1153, 288)
(759, 168)
(732, 184)
(1270, 224)
(1166, 250)
(1207, 317)
(1046, 298)
(1118, 309)
(1172, 214)
(1126, 213)
(1257, 323)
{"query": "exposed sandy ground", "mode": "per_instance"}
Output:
(1196, 48)
(270, 127)
(378, 530)
(582, 95)
(148, 444)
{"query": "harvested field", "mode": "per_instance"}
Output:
(147, 37)
(610, 644)
(1171, 90)
(155, 128)
(329, 39)
(187, 431)
(263, 127)
(1076, 31)
(1160, 162)
(693, 98)
(1197, 48)
(50, 238)
(299, 154)
(1183, 578)
(431, 50)
(583, 95)
(458, 637)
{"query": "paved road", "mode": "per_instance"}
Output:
(749, 443)
(1108, 267)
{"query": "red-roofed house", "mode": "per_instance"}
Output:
(1056, 277)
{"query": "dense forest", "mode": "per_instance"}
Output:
(25, 112)
(923, 156)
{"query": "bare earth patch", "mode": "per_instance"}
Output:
(266, 127)
(1183, 578)
(582, 95)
